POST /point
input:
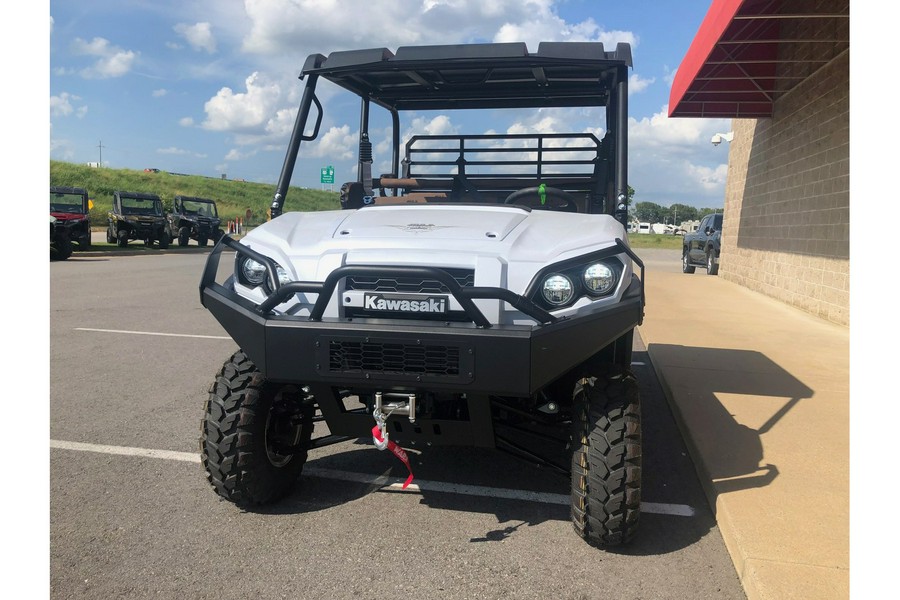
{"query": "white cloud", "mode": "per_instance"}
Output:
(235, 154)
(659, 130)
(671, 160)
(439, 125)
(186, 121)
(160, 93)
(338, 143)
(63, 105)
(248, 111)
(171, 150)
(637, 84)
(708, 178)
(275, 27)
(199, 36)
(112, 61)
(670, 76)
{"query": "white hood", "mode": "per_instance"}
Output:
(514, 233)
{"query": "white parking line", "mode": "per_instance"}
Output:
(185, 335)
(384, 482)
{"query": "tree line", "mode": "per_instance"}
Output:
(650, 212)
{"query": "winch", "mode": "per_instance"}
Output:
(380, 432)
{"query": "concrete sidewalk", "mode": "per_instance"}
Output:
(761, 392)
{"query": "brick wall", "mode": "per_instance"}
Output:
(786, 231)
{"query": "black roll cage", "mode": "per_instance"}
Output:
(472, 76)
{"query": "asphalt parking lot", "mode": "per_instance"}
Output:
(132, 353)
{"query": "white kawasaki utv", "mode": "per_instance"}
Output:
(481, 293)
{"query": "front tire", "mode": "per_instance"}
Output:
(246, 431)
(606, 458)
(61, 250)
(712, 267)
(686, 266)
(184, 236)
(122, 238)
(163, 240)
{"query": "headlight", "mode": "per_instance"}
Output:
(599, 278)
(557, 289)
(564, 283)
(254, 272)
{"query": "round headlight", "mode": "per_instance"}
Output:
(557, 289)
(599, 278)
(254, 272)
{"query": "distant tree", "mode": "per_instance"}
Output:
(707, 211)
(649, 212)
(678, 213)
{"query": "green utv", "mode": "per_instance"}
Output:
(137, 216)
(194, 219)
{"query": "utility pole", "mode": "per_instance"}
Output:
(100, 145)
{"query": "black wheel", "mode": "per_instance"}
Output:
(255, 434)
(553, 199)
(110, 238)
(122, 238)
(184, 236)
(712, 267)
(61, 249)
(201, 240)
(606, 458)
(163, 240)
(686, 262)
(85, 242)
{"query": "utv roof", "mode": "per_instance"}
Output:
(60, 189)
(477, 75)
(136, 195)
(194, 199)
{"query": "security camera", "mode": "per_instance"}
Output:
(722, 137)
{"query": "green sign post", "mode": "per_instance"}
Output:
(327, 174)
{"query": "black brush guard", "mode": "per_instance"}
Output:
(478, 359)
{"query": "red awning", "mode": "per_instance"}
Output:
(736, 65)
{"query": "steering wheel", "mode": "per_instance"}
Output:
(552, 199)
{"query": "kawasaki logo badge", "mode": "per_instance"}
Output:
(419, 304)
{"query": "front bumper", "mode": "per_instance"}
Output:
(475, 357)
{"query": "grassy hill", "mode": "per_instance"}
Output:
(233, 198)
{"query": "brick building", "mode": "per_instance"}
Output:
(781, 70)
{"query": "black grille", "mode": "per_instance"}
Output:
(382, 357)
(410, 285)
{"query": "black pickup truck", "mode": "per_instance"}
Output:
(701, 248)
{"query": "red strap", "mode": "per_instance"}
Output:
(397, 451)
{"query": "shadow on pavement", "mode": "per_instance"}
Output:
(729, 452)
(668, 474)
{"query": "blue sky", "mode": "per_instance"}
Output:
(210, 87)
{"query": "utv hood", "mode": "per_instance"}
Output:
(428, 234)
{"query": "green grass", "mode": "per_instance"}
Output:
(655, 240)
(233, 198)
